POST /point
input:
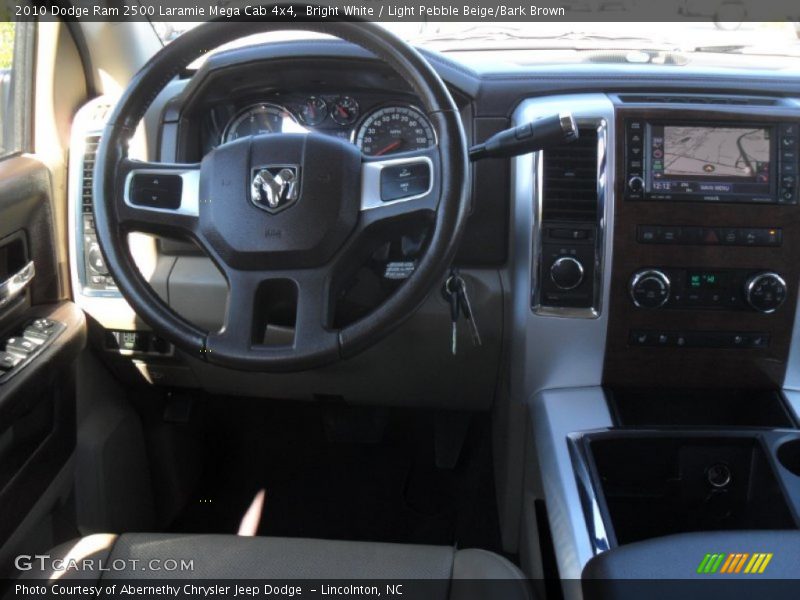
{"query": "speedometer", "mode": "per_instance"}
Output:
(260, 119)
(393, 129)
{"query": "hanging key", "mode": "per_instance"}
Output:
(453, 296)
(469, 314)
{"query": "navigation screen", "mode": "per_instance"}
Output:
(710, 160)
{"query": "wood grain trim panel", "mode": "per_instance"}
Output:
(627, 366)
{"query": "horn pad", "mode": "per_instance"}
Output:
(280, 200)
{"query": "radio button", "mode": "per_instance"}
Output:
(732, 237)
(692, 235)
(788, 129)
(710, 237)
(647, 234)
(636, 184)
(670, 235)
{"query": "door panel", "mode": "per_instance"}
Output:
(41, 333)
(37, 395)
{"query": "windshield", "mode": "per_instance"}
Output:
(665, 43)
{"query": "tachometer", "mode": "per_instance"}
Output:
(394, 129)
(259, 119)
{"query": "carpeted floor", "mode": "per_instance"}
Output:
(387, 490)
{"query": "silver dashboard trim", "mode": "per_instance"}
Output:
(555, 416)
(593, 516)
(371, 181)
(190, 191)
(554, 349)
(85, 125)
(556, 358)
(599, 265)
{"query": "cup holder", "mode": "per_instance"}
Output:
(789, 456)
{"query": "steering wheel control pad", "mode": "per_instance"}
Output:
(279, 200)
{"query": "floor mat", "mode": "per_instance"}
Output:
(387, 491)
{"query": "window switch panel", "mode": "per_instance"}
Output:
(21, 350)
(20, 346)
(8, 361)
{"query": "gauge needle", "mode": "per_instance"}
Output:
(395, 144)
(342, 111)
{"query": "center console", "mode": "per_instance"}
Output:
(688, 425)
(707, 223)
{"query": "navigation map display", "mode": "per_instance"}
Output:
(710, 161)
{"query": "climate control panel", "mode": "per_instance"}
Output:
(697, 288)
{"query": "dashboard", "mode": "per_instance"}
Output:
(657, 250)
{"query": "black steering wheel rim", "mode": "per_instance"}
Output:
(450, 211)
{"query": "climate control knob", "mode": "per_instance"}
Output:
(765, 292)
(566, 272)
(649, 288)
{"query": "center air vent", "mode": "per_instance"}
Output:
(569, 185)
(87, 173)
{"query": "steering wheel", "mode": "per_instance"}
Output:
(285, 210)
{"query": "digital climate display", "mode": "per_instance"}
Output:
(710, 161)
(707, 280)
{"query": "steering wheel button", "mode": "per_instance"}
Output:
(155, 198)
(404, 181)
(156, 190)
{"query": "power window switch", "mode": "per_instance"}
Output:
(8, 361)
(43, 324)
(39, 336)
(20, 346)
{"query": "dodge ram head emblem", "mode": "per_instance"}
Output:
(275, 188)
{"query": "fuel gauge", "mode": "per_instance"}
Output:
(345, 110)
(314, 111)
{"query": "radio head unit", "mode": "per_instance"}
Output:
(712, 162)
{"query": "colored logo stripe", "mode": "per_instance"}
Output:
(734, 562)
(710, 563)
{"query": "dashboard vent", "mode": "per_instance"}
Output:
(100, 113)
(697, 99)
(87, 174)
(569, 183)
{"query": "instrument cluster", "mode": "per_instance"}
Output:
(378, 125)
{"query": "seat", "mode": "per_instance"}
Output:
(452, 574)
(746, 564)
